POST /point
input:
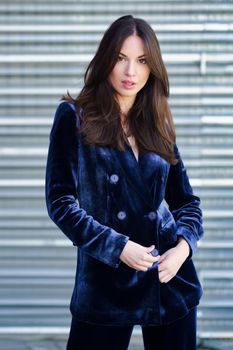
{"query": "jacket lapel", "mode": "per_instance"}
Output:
(131, 170)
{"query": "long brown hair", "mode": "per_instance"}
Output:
(149, 119)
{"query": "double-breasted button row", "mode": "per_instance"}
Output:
(114, 178)
(122, 215)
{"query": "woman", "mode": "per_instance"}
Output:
(117, 187)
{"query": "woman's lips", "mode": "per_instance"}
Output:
(128, 84)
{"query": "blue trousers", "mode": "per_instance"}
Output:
(179, 335)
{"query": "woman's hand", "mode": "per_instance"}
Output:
(170, 262)
(137, 256)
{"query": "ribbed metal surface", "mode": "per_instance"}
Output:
(44, 49)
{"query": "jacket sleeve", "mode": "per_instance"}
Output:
(99, 241)
(183, 204)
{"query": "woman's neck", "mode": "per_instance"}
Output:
(125, 103)
(124, 123)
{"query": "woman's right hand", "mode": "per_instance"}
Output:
(137, 256)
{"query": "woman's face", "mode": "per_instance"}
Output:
(131, 71)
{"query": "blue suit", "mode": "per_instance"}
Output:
(101, 197)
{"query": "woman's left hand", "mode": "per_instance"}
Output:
(170, 262)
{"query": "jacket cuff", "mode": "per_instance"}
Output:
(113, 251)
(120, 243)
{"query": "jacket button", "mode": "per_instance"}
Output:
(121, 215)
(114, 178)
(152, 215)
(154, 252)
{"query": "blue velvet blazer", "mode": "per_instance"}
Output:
(100, 197)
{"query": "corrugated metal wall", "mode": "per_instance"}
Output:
(44, 49)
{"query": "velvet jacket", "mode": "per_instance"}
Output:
(100, 197)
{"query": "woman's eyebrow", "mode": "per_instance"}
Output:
(126, 56)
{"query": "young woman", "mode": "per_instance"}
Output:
(117, 187)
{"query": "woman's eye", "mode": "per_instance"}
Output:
(142, 60)
(120, 58)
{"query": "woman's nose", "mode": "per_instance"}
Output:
(130, 69)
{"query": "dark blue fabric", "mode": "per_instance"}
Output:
(85, 336)
(179, 335)
(101, 197)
